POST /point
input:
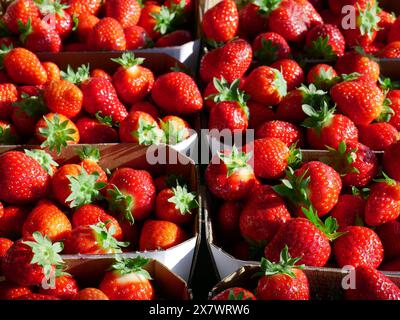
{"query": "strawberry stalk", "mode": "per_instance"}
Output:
(5, 135)
(76, 77)
(105, 237)
(47, 7)
(122, 203)
(165, 20)
(228, 92)
(184, 200)
(321, 49)
(318, 118)
(368, 20)
(267, 6)
(45, 160)
(236, 161)
(329, 227)
(89, 153)
(128, 60)
(268, 53)
(124, 266)
(313, 96)
(280, 83)
(173, 135)
(342, 159)
(148, 133)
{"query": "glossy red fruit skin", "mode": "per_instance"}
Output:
(91, 131)
(166, 210)
(390, 161)
(259, 114)
(394, 32)
(147, 107)
(394, 97)
(8, 95)
(378, 136)
(11, 221)
(224, 295)
(66, 288)
(287, 132)
(11, 291)
(79, 7)
(43, 38)
(228, 115)
(173, 39)
(227, 220)
(251, 22)
(107, 35)
(320, 80)
(90, 294)
(126, 12)
(291, 71)
(389, 233)
(284, 287)
(136, 37)
(336, 39)
(353, 62)
(349, 209)
(303, 240)
(372, 285)
(391, 51)
(22, 10)
(283, 50)
(290, 108)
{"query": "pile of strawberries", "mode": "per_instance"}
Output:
(39, 104)
(90, 210)
(96, 25)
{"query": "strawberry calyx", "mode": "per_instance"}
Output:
(25, 30)
(342, 159)
(173, 134)
(363, 193)
(367, 20)
(184, 200)
(77, 77)
(387, 112)
(89, 153)
(128, 60)
(148, 133)
(267, 6)
(386, 179)
(124, 266)
(106, 120)
(228, 92)
(45, 254)
(105, 237)
(57, 133)
(349, 77)
(268, 53)
(84, 188)
(329, 227)
(388, 84)
(122, 203)
(31, 105)
(5, 134)
(295, 156)
(45, 160)
(313, 96)
(47, 7)
(3, 51)
(279, 83)
(318, 119)
(236, 161)
(321, 49)
(164, 20)
(238, 297)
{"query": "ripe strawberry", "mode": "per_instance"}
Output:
(8, 96)
(140, 127)
(64, 98)
(323, 76)
(157, 20)
(266, 85)
(176, 205)
(288, 133)
(11, 291)
(394, 97)
(383, 204)
(131, 193)
(136, 38)
(391, 51)
(52, 70)
(90, 294)
(336, 5)
(291, 72)
(262, 216)
(100, 73)
(20, 11)
(227, 221)
(57, 18)
(372, 285)
(160, 235)
(93, 239)
(107, 35)
(283, 280)
(378, 136)
(230, 61)
(220, 23)
(306, 238)
(56, 131)
(354, 62)
(259, 114)
(86, 22)
(23, 67)
(23, 179)
(251, 20)
(229, 115)
(127, 280)
(78, 7)
(146, 107)
(389, 233)
(269, 47)
(173, 39)
(5, 245)
(65, 288)
(47, 219)
(8, 135)
(89, 161)
(11, 221)
(229, 175)
(126, 12)
(314, 184)
(37, 296)
(327, 129)
(219, 90)
(132, 81)
(96, 131)
(29, 263)
(325, 41)
(176, 93)
(394, 32)
(175, 129)
(360, 101)
(235, 294)
(349, 210)
(390, 158)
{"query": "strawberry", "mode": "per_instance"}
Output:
(288, 133)
(269, 47)
(176, 93)
(160, 235)
(5, 245)
(175, 129)
(259, 114)
(327, 129)
(132, 193)
(56, 131)
(323, 76)
(126, 12)
(394, 32)
(107, 35)
(251, 20)
(168, 181)
(354, 62)
(90, 294)
(11, 291)
(378, 136)
(173, 39)
(229, 175)
(306, 238)
(8, 135)
(390, 161)
(283, 280)
(11, 221)
(23, 67)
(127, 280)
(314, 184)
(78, 7)
(360, 101)
(262, 216)
(63, 97)
(176, 205)
(23, 179)
(20, 11)
(229, 115)
(383, 204)
(325, 41)
(291, 72)
(89, 161)
(227, 220)
(132, 81)
(220, 23)
(8, 96)
(266, 85)
(100, 73)
(389, 233)
(56, 16)
(219, 90)
(146, 107)
(230, 61)
(93, 239)
(234, 294)
(140, 127)
(86, 22)
(394, 97)
(30, 263)
(349, 211)
(336, 5)
(52, 71)
(272, 157)
(47, 219)
(37, 296)
(136, 38)
(157, 20)
(96, 131)
(65, 288)
(391, 51)
(372, 285)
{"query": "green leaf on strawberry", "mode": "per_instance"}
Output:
(89, 153)
(321, 49)
(342, 159)
(31, 105)
(268, 53)
(148, 133)
(45, 160)
(128, 60)
(173, 135)
(184, 200)
(76, 77)
(127, 266)
(122, 203)
(368, 20)
(164, 20)
(105, 237)
(236, 160)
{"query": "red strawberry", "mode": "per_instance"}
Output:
(8, 95)
(251, 20)
(52, 70)
(78, 7)
(227, 220)
(136, 38)
(391, 51)
(96, 131)
(37, 296)
(126, 12)
(220, 23)
(65, 288)
(132, 81)
(291, 72)
(259, 114)
(263, 215)
(325, 42)
(5, 245)
(219, 90)
(288, 133)
(146, 107)
(229, 115)
(11, 291)
(89, 161)
(127, 280)
(107, 35)
(349, 210)
(378, 136)
(175, 129)
(173, 39)
(58, 19)
(86, 22)
(230, 61)
(100, 73)
(372, 285)
(283, 280)
(323, 76)
(389, 233)
(185, 7)
(11, 221)
(160, 235)
(176, 93)
(157, 20)
(90, 294)
(394, 32)
(354, 62)
(337, 5)
(39, 36)
(235, 294)
(390, 158)
(394, 97)
(229, 176)
(20, 11)
(132, 193)
(269, 47)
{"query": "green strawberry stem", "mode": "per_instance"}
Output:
(342, 159)
(267, 6)
(89, 153)
(127, 266)
(268, 53)
(285, 265)
(229, 92)
(295, 156)
(314, 97)
(386, 179)
(107, 120)
(105, 237)
(31, 105)
(280, 83)
(5, 135)
(388, 84)
(47, 7)
(128, 60)
(367, 20)
(165, 20)
(238, 297)
(235, 161)
(173, 135)
(76, 77)
(387, 112)
(317, 119)
(321, 49)
(148, 133)
(122, 203)
(45, 160)
(25, 30)
(184, 200)
(3, 51)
